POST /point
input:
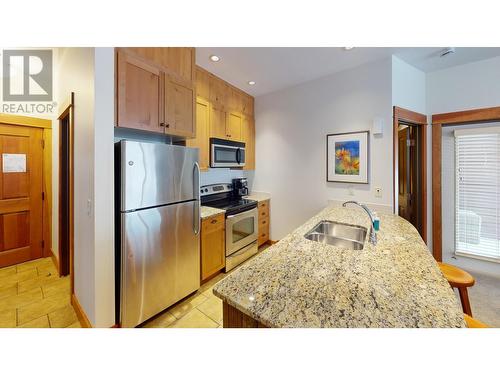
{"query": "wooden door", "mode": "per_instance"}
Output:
(201, 141)
(179, 108)
(404, 185)
(213, 256)
(217, 122)
(248, 137)
(202, 83)
(138, 94)
(233, 126)
(21, 214)
(218, 92)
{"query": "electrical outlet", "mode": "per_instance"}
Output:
(378, 192)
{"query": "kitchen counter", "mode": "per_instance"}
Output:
(258, 196)
(210, 211)
(302, 283)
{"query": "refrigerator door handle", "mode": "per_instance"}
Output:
(197, 216)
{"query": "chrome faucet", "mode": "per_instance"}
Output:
(373, 234)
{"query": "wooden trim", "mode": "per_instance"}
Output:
(409, 116)
(47, 192)
(414, 118)
(490, 114)
(481, 115)
(80, 313)
(271, 242)
(33, 122)
(69, 111)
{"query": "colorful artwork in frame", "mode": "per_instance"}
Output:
(347, 157)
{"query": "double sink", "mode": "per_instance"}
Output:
(338, 234)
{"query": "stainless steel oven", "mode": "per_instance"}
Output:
(241, 237)
(226, 154)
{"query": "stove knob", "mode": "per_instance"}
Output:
(206, 190)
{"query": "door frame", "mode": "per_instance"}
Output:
(481, 115)
(420, 120)
(46, 126)
(68, 111)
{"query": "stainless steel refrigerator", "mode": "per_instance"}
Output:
(159, 221)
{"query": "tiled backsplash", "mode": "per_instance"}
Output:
(221, 175)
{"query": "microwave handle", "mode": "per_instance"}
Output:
(238, 155)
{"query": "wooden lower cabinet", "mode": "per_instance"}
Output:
(213, 254)
(234, 318)
(263, 210)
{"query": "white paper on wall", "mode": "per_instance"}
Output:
(13, 163)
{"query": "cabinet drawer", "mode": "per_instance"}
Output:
(213, 223)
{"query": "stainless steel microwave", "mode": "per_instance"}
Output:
(226, 154)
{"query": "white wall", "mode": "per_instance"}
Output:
(409, 92)
(408, 86)
(468, 86)
(104, 187)
(291, 129)
(75, 72)
(89, 73)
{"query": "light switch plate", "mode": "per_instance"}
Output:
(378, 192)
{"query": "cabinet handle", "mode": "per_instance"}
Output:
(214, 221)
(162, 124)
(264, 222)
(229, 135)
(168, 125)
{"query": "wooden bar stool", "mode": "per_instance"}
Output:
(474, 323)
(461, 280)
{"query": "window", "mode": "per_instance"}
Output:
(477, 207)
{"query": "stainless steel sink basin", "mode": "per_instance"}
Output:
(338, 234)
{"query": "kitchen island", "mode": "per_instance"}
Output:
(303, 283)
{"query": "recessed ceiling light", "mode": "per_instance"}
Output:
(348, 48)
(251, 83)
(214, 58)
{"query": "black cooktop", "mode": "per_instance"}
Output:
(232, 205)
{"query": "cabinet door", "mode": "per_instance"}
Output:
(138, 94)
(201, 141)
(248, 136)
(202, 83)
(179, 109)
(217, 122)
(218, 92)
(233, 126)
(213, 256)
(247, 105)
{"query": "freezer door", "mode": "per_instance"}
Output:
(155, 174)
(160, 260)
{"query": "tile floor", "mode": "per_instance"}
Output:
(32, 295)
(200, 310)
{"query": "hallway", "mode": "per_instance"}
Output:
(32, 295)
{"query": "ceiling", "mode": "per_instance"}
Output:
(275, 68)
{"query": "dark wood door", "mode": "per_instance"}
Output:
(21, 160)
(404, 199)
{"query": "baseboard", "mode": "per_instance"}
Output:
(84, 321)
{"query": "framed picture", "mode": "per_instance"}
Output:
(347, 157)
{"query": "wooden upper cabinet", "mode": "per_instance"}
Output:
(233, 126)
(218, 92)
(248, 136)
(217, 122)
(138, 93)
(202, 132)
(179, 109)
(177, 60)
(248, 105)
(202, 83)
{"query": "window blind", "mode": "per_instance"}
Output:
(477, 206)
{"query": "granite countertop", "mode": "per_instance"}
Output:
(301, 283)
(210, 211)
(258, 196)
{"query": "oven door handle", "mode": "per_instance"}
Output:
(238, 156)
